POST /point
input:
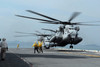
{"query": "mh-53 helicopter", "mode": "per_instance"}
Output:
(39, 34)
(66, 34)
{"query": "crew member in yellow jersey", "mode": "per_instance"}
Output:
(17, 45)
(40, 46)
(35, 47)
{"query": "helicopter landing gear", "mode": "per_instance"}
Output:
(47, 47)
(71, 46)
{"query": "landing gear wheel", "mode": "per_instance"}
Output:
(47, 47)
(71, 46)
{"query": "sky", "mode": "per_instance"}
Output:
(59, 9)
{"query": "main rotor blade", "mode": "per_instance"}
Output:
(43, 15)
(86, 24)
(51, 22)
(32, 34)
(24, 33)
(49, 30)
(75, 14)
(34, 18)
(65, 23)
(43, 35)
(38, 32)
(89, 22)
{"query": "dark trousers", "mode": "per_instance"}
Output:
(3, 53)
(40, 48)
(36, 49)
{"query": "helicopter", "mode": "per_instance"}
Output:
(39, 34)
(42, 37)
(63, 37)
(67, 33)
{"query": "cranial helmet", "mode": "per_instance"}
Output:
(3, 39)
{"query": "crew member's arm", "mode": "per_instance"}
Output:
(6, 46)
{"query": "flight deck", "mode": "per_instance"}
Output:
(25, 57)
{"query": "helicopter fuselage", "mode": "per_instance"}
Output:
(67, 35)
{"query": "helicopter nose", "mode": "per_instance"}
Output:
(73, 34)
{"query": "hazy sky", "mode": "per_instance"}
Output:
(59, 9)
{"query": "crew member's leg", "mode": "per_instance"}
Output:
(3, 53)
(37, 50)
(41, 49)
(34, 50)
